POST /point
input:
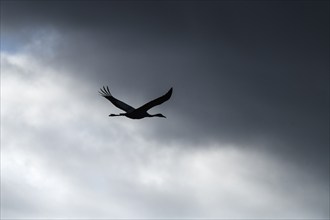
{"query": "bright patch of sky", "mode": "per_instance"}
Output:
(62, 157)
(26, 39)
(8, 45)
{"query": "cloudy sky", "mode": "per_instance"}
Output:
(247, 128)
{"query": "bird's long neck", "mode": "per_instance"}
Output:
(121, 114)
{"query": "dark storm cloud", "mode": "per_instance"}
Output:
(253, 73)
(242, 72)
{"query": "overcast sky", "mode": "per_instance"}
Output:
(247, 127)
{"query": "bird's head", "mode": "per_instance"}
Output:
(159, 115)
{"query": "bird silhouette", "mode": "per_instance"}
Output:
(135, 113)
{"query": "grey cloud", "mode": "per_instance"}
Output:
(251, 74)
(256, 70)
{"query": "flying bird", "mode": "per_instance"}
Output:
(135, 113)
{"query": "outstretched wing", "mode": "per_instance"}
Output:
(157, 101)
(105, 92)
